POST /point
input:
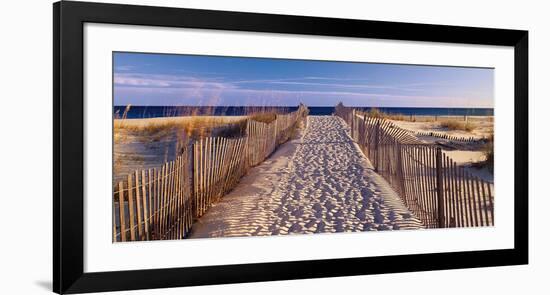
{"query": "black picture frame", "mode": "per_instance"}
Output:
(68, 158)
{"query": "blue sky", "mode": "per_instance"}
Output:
(165, 80)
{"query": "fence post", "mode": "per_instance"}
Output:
(400, 170)
(193, 193)
(247, 158)
(440, 200)
(353, 124)
(276, 124)
(377, 145)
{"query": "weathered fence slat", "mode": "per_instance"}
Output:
(131, 208)
(440, 197)
(145, 205)
(122, 214)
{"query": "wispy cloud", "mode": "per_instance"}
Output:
(175, 81)
(166, 81)
(296, 80)
(366, 86)
(244, 91)
(184, 84)
(192, 88)
(192, 79)
(238, 96)
(124, 68)
(336, 79)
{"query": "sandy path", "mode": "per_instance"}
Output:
(320, 182)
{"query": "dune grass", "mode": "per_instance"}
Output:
(155, 129)
(150, 126)
(458, 125)
(192, 126)
(264, 117)
(452, 120)
(376, 113)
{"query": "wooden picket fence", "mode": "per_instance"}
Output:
(436, 189)
(156, 202)
(162, 203)
(448, 137)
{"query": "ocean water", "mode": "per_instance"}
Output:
(170, 111)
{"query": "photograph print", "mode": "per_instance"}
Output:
(223, 146)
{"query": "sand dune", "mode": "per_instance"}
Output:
(150, 142)
(483, 127)
(319, 182)
(465, 154)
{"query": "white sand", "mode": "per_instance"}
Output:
(320, 182)
(466, 157)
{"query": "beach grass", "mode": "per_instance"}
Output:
(192, 126)
(453, 121)
(458, 125)
(264, 117)
(376, 113)
(149, 126)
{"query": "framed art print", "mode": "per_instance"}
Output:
(200, 147)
